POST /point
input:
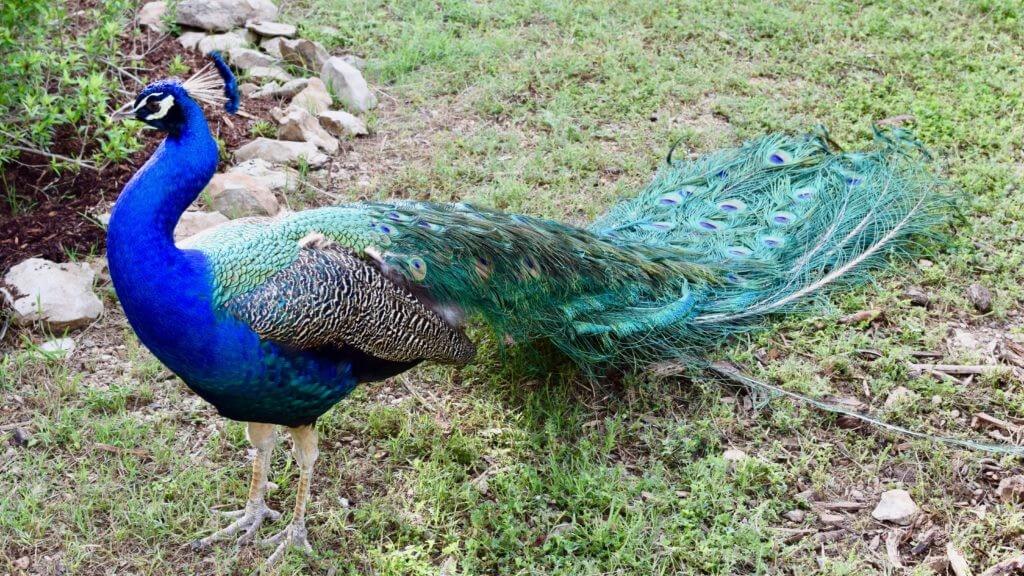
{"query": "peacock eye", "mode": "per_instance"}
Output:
(153, 106)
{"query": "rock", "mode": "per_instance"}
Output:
(917, 297)
(287, 90)
(275, 179)
(895, 506)
(900, 395)
(272, 46)
(980, 297)
(355, 61)
(348, 83)
(314, 98)
(298, 125)
(795, 516)
(236, 195)
(1011, 489)
(58, 347)
(830, 519)
(151, 16)
(247, 58)
(267, 28)
(734, 455)
(220, 42)
(60, 295)
(268, 73)
(282, 152)
(220, 15)
(190, 40)
(342, 124)
(305, 53)
(247, 89)
(192, 223)
(20, 438)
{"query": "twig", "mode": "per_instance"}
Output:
(955, 369)
(892, 548)
(55, 156)
(6, 427)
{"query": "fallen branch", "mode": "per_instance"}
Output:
(956, 369)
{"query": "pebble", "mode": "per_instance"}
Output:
(20, 437)
(831, 519)
(58, 295)
(734, 455)
(795, 516)
(917, 297)
(900, 395)
(896, 506)
(58, 347)
(1011, 489)
(980, 297)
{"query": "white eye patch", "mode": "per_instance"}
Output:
(165, 104)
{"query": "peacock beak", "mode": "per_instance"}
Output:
(123, 112)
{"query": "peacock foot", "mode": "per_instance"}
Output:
(294, 535)
(247, 521)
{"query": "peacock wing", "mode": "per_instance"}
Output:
(328, 296)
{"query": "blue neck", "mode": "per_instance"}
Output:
(163, 289)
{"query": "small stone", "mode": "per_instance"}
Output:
(342, 124)
(1011, 489)
(58, 347)
(247, 89)
(795, 516)
(287, 90)
(268, 28)
(59, 295)
(247, 58)
(314, 98)
(900, 395)
(734, 455)
(190, 40)
(192, 223)
(275, 179)
(281, 152)
(220, 15)
(220, 42)
(151, 16)
(830, 519)
(348, 83)
(305, 53)
(20, 437)
(895, 506)
(980, 297)
(237, 195)
(917, 297)
(344, 502)
(268, 73)
(925, 264)
(298, 125)
(272, 46)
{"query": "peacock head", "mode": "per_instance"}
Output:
(163, 104)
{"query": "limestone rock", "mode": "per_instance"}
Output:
(190, 40)
(236, 195)
(287, 90)
(268, 28)
(247, 58)
(298, 125)
(58, 347)
(272, 46)
(192, 223)
(268, 73)
(734, 455)
(355, 61)
(980, 297)
(314, 97)
(348, 83)
(896, 506)
(282, 152)
(220, 15)
(151, 16)
(303, 52)
(60, 295)
(247, 89)
(220, 42)
(342, 124)
(795, 516)
(276, 179)
(1011, 489)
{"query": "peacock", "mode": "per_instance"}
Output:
(275, 320)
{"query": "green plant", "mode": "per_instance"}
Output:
(263, 128)
(177, 66)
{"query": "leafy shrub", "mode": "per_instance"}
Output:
(57, 69)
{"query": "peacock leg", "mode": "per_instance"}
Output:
(304, 449)
(249, 519)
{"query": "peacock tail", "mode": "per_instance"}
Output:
(708, 249)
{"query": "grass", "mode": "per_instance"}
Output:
(516, 465)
